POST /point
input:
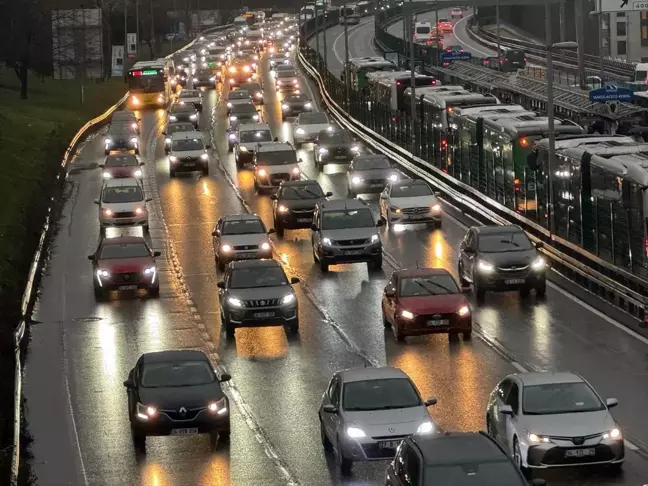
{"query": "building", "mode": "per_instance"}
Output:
(77, 44)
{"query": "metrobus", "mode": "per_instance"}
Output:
(437, 107)
(149, 85)
(241, 22)
(359, 67)
(307, 12)
(365, 8)
(389, 87)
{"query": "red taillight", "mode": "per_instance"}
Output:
(444, 144)
(501, 61)
(524, 142)
(397, 83)
(434, 82)
(516, 183)
(525, 59)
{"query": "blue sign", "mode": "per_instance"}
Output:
(456, 56)
(611, 92)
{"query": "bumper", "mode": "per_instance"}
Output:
(551, 455)
(163, 425)
(402, 218)
(205, 84)
(306, 138)
(294, 220)
(286, 88)
(499, 283)
(185, 119)
(369, 449)
(124, 285)
(334, 255)
(368, 187)
(334, 158)
(105, 222)
(263, 316)
(118, 147)
(422, 325)
(244, 157)
(233, 256)
(188, 166)
(270, 182)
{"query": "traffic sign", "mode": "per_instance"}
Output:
(611, 92)
(622, 5)
(456, 56)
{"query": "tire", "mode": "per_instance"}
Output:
(517, 458)
(326, 443)
(146, 228)
(213, 440)
(102, 231)
(281, 231)
(346, 465)
(489, 426)
(293, 327)
(467, 335)
(480, 293)
(239, 166)
(462, 281)
(139, 440)
(221, 266)
(106, 152)
(318, 166)
(154, 292)
(224, 436)
(172, 173)
(398, 334)
(375, 263)
(205, 171)
(99, 294)
(230, 148)
(617, 468)
(351, 194)
(541, 291)
(137, 151)
(324, 266)
(386, 323)
(230, 329)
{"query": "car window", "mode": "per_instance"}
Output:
(287, 73)
(557, 398)
(122, 194)
(310, 191)
(484, 474)
(513, 398)
(383, 394)
(503, 389)
(423, 30)
(334, 393)
(313, 119)
(347, 218)
(411, 466)
(411, 190)
(371, 163)
(176, 373)
(504, 241)
(427, 285)
(243, 227)
(121, 161)
(340, 137)
(126, 250)
(258, 276)
(187, 144)
(180, 127)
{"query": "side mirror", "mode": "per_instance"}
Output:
(314, 227)
(225, 377)
(470, 250)
(506, 410)
(96, 201)
(380, 223)
(329, 409)
(539, 244)
(294, 280)
(156, 254)
(539, 482)
(91, 258)
(148, 199)
(142, 164)
(611, 402)
(271, 231)
(273, 197)
(129, 383)
(390, 292)
(214, 233)
(466, 290)
(276, 139)
(438, 194)
(430, 401)
(102, 166)
(221, 284)
(328, 194)
(164, 133)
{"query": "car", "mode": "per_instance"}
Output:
(453, 459)
(174, 128)
(422, 301)
(122, 165)
(295, 103)
(246, 139)
(286, 67)
(307, 127)
(344, 231)
(456, 12)
(365, 413)
(410, 202)
(549, 419)
(127, 117)
(183, 113)
(215, 64)
(122, 203)
(243, 113)
(257, 293)
(124, 263)
(188, 153)
(238, 97)
(334, 147)
(278, 59)
(240, 237)
(454, 49)
(274, 163)
(240, 72)
(204, 77)
(178, 393)
(351, 19)
(445, 26)
(255, 90)
(121, 137)
(370, 173)
(286, 80)
(501, 259)
(191, 97)
(294, 204)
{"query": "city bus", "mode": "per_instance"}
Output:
(148, 85)
(389, 87)
(241, 22)
(359, 67)
(438, 107)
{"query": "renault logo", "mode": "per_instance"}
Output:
(263, 302)
(392, 429)
(126, 277)
(183, 411)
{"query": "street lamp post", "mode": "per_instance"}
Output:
(347, 72)
(412, 67)
(317, 37)
(599, 14)
(324, 37)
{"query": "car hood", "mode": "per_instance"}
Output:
(119, 207)
(300, 203)
(510, 258)
(413, 202)
(373, 173)
(569, 424)
(185, 115)
(349, 234)
(187, 153)
(403, 421)
(316, 128)
(125, 265)
(239, 102)
(172, 398)
(434, 304)
(261, 293)
(278, 169)
(193, 99)
(250, 146)
(125, 171)
(295, 103)
(240, 240)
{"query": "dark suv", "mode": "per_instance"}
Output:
(454, 459)
(500, 259)
(294, 204)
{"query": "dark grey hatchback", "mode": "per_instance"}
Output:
(294, 204)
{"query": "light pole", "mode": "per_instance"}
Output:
(324, 37)
(125, 34)
(347, 72)
(599, 14)
(499, 48)
(412, 70)
(317, 36)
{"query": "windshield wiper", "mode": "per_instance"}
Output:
(424, 287)
(311, 192)
(450, 291)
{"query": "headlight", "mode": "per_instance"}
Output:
(296, 82)
(243, 149)
(195, 80)
(135, 101)
(106, 175)
(265, 246)
(173, 118)
(407, 315)
(308, 105)
(375, 238)
(536, 439)
(145, 412)
(226, 248)
(356, 180)
(485, 267)
(137, 173)
(330, 129)
(232, 118)
(326, 241)
(255, 117)
(160, 99)
(259, 95)
(395, 209)
(393, 177)
(246, 69)
(232, 136)
(355, 433)
(262, 172)
(300, 131)
(173, 158)
(296, 170)
(229, 105)
(108, 141)
(233, 301)
(193, 117)
(282, 209)
(539, 264)
(139, 211)
(213, 78)
(464, 311)
(436, 208)
(133, 140)
(149, 271)
(613, 434)
(285, 106)
(219, 407)
(103, 273)
(355, 148)
(288, 299)
(167, 140)
(323, 151)
(426, 427)
(107, 212)
(204, 157)
(134, 126)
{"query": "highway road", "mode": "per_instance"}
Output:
(81, 351)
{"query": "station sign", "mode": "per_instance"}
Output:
(456, 56)
(611, 92)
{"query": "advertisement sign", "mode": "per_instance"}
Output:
(131, 41)
(117, 61)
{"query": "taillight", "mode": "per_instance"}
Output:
(516, 184)
(524, 142)
(444, 144)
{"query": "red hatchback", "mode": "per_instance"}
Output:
(425, 301)
(124, 263)
(122, 165)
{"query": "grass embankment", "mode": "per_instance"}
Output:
(34, 135)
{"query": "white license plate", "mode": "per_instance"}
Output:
(189, 164)
(340, 157)
(353, 252)
(418, 216)
(388, 444)
(580, 453)
(184, 431)
(514, 281)
(127, 287)
(304, 220)
(246, 255)
(376, 185)
(264, 314)
(438, 322)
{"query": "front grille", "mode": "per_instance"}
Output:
(513, 271)
(280, 177)
(178, 416)
(351, 242)
(372, 451)
(514, 268)
(189, 159)
(576, 440)
(303, 212)
(125, 214)
(556, 455)
(246, 247)
(390, 437)
(126, 277)
(375, 181)
(261, 303)
(415, 210)
(341, 151)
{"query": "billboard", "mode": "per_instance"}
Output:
(117, 64)
(77, 43)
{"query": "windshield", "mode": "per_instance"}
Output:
(254, 277)
(124, 116)
(384, 394)
(243, 227)
(282, 157)
(335, 137)
(313, 119)
(179, 373)
(296, 98)
(204, 73)
(287, 74)
(310, 191)
(368, 164)
(641, 75)
(423, 30)
(127, 250)
(122, 194)
(473, 474)
(239, 94)
(187, 144)
(244, 109)
(189, 94)
(411, 190)
(180, 127)
(121, 131)
(146, 84)
(427, 285)
(347, 218)
(121, 161)
(256, 136)
(556, 398)
(497, 242)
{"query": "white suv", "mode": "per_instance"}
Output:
(188, 152)
(122, 203)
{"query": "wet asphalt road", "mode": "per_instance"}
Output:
(81, 351)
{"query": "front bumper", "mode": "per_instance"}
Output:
(263, 316)
(370, 448)
(183, 165)
(121, 147)
(414, 218)
(434, 324)
(162, 424)
(236, 255)
(127, 281)
(185, 119)
(295, 219)
(335, 156)
(496, 282)
(272, 181)
(305, 138)
(368, 186)
(114, 222)
(295, 111)
(350, 254)
(553, 455)
(202, 83)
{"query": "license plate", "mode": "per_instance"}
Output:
(580, 453)
(190, 164)
(388, 444)
(340, 157)
(376, 185)
(514, 281)
(418, 216)
(264, 314)
(184, 431)
(353, 252)
(246, 255)
(438, 322)
(304, 220)
(127, 287)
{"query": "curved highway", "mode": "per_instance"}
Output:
(81, 351)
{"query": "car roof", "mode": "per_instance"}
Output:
(496, 229)
(123, 114)
(548, 378)
(338, 204)
(182, 107)
(421, 272)
(122, 240)
(253, 127)
(274, 147)
(366, 374)
(241, 217)
(186, 135)
(254, 263)
(122, 182)
(454, 448)
(174, 355)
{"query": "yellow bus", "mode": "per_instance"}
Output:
(149, 85)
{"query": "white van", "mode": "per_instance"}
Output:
(641, 72)
(422, 32)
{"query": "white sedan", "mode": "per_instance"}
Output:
(308, 126)
(410, 202)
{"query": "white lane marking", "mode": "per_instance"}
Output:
(349, 33)
(464, 42)
(519, 367)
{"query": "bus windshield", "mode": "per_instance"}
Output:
(146, 84)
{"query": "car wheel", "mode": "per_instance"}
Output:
(139, 440)
(224, 436)
(314, 255)
(326, 443)
(480, 293)
(351, 194)
(489, 426)
(386, 323)
(324, 266)
(517, 458)
(375, 263)
(99, 293)
(345, 464)
(154, 292)
(205, 171)
(279, 229)
(524, 291)
(541, 291)
(230, 148)
(616, 468)
(106, 152)
(213, 440)
(146, 228)
(172, 173)
(102, 231)
(293, 327)
(398, 333)
(137, 151)
(467, 335)
(227, 325)
(221, 265)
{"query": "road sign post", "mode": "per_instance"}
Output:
(611, 92)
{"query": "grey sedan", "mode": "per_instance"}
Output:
(370, 174)
(294, 104)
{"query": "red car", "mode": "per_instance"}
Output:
(124, 263)
(122, 165)
(445, 26)
(425, 301)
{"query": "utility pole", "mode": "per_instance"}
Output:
(499, 49)
(438, 47)
(153, 29)
(324, 37)
(550, 111)
(125, 34)
(317, 36)
(600, 39)
(412, 67)
(580, 40)
(84, 65)
(562, 27)
(347, 72)
(137, 28)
